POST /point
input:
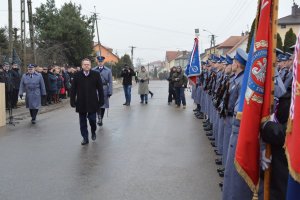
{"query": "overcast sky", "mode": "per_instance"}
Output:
(159, 25)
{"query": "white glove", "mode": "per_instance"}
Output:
(264, 161)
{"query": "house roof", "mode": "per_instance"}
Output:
(238, 44)
(107, 48)
(172, 55)
(289, 20)
(231, 41)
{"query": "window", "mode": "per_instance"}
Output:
(283, 26)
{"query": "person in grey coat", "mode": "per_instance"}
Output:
(33, 85)
(143, 78)
(106, 77)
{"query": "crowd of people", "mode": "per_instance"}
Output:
(216, 95)
(57, 82)
(177, 85)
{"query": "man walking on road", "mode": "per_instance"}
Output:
(106, 80)
(33, 85)
(127, 74)
(87, 96)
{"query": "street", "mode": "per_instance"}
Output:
(142, 152)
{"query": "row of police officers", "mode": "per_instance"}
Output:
(217, 95)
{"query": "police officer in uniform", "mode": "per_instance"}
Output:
(234, 185)
(33, 85)
(106, 77)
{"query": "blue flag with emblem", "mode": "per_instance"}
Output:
(193, 68)
(245, 80)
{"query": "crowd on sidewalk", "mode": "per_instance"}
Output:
(57, 82)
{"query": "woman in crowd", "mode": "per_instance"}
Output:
(143, 78)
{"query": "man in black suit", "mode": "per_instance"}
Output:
(87, 96)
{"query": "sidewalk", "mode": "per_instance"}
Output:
(22, 112)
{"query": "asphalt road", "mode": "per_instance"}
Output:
(143, 152)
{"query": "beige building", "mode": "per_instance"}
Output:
(290, 21)
(176, 58)
(228, 47)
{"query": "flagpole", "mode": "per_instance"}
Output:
(267, 173)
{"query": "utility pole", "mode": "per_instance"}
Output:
(10, 36)
(31, 31)
(96, 20)
(23, 36)
(132, 48)
(212, 41)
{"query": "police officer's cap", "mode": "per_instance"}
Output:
(278, 52)
(31, 66)
(229, 60)
(288, 55)
(215, 59)
(241, 56)
(222, 59)
(292, 47)
(100, 58)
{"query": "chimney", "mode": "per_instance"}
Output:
(294, 10)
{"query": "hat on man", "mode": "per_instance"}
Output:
(229, 60)
(278, 52)
(31, 66)
(5, 64)
(292, 47)
(214, 58)
(288, 55)
(100, 58)
(241, 56)
(222, 59)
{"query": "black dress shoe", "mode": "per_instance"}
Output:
(196, 110)
(93, 136)
(211, 138)
(213, 144)
(125, 104)
(84, 142)
(218, 162)
(206, 121)
(221, 184)
(221, 174)
(209, 134)
(33, 121)
(220, 170)
(100, 123)
(208, 129)
(200, 116)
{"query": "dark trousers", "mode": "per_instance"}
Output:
(15, 95)
(44, 100)
(127, 92)
(172, 95)
(144, 97)
(33, 113)
(180, 97)
(83, 124)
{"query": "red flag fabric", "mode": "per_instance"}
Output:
(293, 129)
(257, 102)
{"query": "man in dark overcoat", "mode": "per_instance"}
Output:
(87, 96)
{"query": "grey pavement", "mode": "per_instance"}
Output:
(143, 152)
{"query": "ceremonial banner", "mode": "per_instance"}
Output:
(245, 81)
(257, 100)
(293, 129)
(193, 69)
